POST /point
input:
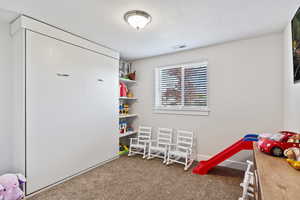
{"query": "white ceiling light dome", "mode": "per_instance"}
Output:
(137, 19)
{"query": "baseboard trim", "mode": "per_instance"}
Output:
(227, 163)
(71, 177)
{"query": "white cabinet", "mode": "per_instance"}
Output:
(69, 107)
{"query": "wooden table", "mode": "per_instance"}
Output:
(277, 180)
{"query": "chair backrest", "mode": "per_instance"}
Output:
(245, 191)
(248, 170)
(249, 166)
(185, 140)
(164, 136)
(246, 186)
(144, 133)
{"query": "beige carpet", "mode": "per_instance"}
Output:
(137, 179)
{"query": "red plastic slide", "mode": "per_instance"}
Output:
(245, 143)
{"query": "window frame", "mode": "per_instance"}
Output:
(185, 110)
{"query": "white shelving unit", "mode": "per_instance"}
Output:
(128, 100)
(127, 134)
(127, 116)
(127, 81)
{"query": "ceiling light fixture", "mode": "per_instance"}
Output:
(137, 19)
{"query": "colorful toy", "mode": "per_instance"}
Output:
(132, 76)
(123, 149)
(277, 143)
(292, 153)
(129, 128)
(126, 109)
(129, 94)
(123, 126)
(293, 157)
(123, 90)
(10, 187)
(121, 108)
(246, 143)
(294, 164)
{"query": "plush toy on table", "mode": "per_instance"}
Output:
(293, 157)
(10, 186)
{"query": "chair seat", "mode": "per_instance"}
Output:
(158, 148)
(178, 153)
(138, 145)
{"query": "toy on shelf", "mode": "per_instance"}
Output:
(11, 186)
(123, 149)
(129, 128)
(125, 68)
(131, 76)
(123, 127)
(277, 143)
(124, 109)
(293, 157)
(121, 109)
(129, 94)
(246, 143)
(123, 90)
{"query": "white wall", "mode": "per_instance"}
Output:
(245, 92)
(5, 97)
(291, 90)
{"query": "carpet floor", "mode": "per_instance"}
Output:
(133, 178)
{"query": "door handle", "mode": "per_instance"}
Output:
(100, 80)
(62, 75)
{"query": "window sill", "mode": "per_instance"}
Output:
(174, 111)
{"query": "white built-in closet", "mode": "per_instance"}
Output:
(66, 103)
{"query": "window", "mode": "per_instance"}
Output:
(182, 88)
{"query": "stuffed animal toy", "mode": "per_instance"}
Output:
(292, 153)
(293, 157)
(10, 186)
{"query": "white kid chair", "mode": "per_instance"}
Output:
(159, 147)
(181, 152)
(139, 145)
(247, 182)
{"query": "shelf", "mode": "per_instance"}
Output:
(127, 134)
(124, 80)
(127, 98)
(127, 116)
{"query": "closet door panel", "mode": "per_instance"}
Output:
(72, 110)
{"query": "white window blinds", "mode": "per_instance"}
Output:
(171, 86)
(195, 86)
(182, 87)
